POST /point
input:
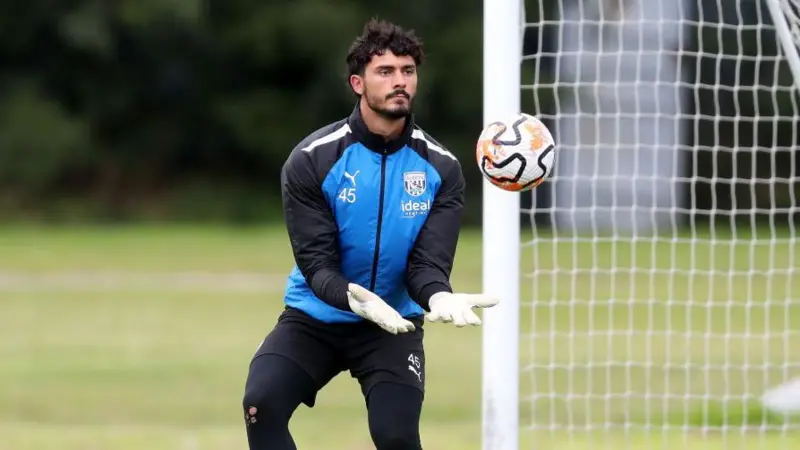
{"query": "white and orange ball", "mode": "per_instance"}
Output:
(516, 154)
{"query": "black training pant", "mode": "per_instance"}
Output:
(301, 355)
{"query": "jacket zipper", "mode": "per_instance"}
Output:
(380, 222)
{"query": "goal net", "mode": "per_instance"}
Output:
(656, 303)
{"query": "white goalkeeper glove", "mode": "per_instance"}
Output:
(457, 308)
(371, 307)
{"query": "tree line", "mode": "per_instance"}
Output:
(186, 109)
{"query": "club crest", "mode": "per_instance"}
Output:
(414, 183)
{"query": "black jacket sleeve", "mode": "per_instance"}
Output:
(312, 230)
(431, 258)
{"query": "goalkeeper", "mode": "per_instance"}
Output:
(373, 208)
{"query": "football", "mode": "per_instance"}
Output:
(516, 154)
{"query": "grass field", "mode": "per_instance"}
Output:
(133, 338)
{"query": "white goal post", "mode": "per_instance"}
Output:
(787, 25)
(650, 290)
(502, 52)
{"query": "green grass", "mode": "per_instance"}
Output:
(130, 338)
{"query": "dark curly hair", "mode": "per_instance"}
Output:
(379, 36)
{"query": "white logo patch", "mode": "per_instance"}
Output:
(352, 177)
(414, 183)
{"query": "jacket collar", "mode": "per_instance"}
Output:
(376, 142)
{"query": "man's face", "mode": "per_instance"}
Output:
(388, 85)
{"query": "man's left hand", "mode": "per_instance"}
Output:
(457, 308)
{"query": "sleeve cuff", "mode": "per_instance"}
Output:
(330, 287)
(427, 292)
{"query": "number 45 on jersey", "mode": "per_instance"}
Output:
(348, 194)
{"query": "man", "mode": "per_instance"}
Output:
(373, 208)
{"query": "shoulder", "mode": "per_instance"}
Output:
(324, 138)
(437, 155)
(316, 153)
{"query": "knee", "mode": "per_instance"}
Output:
(394, 412)
(262, 403)
(272, 392)
(391, 432)
(396, 437)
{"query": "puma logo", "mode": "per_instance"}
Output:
(419, 375)
(352, 177)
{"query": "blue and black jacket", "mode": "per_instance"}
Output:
(385, 215)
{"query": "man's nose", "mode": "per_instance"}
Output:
(399, 80)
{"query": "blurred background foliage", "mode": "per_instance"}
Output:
(186, 109)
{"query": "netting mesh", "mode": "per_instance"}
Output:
(661, 274)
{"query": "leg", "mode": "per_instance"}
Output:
(391, 371)
(275, 387)
(394, 414)
(297, 358)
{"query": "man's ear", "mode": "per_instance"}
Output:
(357, 84)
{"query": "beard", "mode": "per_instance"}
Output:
(383, 108)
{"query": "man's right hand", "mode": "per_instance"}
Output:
(371, 307)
